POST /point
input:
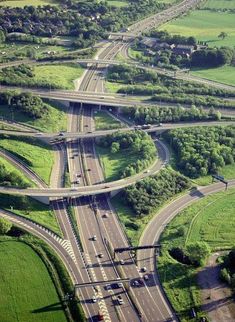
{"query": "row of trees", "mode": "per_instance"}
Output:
(227, 272)
(212, 57)
(153, 114)
(202, 150)
(145, 196)
(25, 102)
(164, 36)
(137, 142)
(129, 74)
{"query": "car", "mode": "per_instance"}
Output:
(88, 169)
(61, 134)
(77, 181)
(117, 285)
(147, 171)
(146, 277)
(94, 299)
(122, 262)
(79, 175)
(160, 124)
(120, 300)
(94, 238)
(100, 255)
(135, 283)
(107, 287)
(106, 215)
(38, 134)
(74, 189)
(89, 132)
(143, 269)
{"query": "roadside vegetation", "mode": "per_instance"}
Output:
(136, 81)
(9, 175)
(137, 204)
(201, 151)
(208, 220)
(32, 209)
(37, 155)
(53, 76)
(104, 121)
(125, 154)
(31, 110)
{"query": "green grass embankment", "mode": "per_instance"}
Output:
(207, 220)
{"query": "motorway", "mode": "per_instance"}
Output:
(95, 216)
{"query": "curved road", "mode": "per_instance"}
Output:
(152, 232)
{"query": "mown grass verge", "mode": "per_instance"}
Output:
(32, 209)
(103, 121)
(37, 155)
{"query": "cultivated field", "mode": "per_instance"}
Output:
(205, 25)
(27, 291)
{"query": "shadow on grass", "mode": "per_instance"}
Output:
(58, 306)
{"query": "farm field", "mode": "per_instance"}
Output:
(224, 74)
(205, 25)
(37, 156)
(206, 220)
(103, 121)
(219, 4)
(22, 3)
(26, 288)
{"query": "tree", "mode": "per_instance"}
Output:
(2, 37)
(198, 252)
(115, 147)
(222, 35)
(5, 226)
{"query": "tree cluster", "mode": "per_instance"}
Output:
(164, 36)
(137, 142)
(153, 114)
(129, 74)
(212, 57)
(202, 150)
(148, 194)
(87, 20)
(227, 273)
(25, 102)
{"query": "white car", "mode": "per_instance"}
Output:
(94, 299)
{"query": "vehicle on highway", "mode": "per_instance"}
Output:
(160, 124)
(146, 277)
(94, 299)
(117, 285)
(100, 255)
(147, 171)
(120, 300)
(122, 262)
(143, 269)
(94, 238)
(106, 215)
(107, 287)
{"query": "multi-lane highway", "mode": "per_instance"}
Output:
(89, 259)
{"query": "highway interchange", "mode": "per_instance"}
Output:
(90, 259)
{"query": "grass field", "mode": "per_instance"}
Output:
(11, 168)
(58, 75)
(219, 4)
(205, 25)
(53, 121)
(224, 74)
(118, 4)
(37, 156)
(22, 3)
(207, 220)
(103, 121)
(31, 209)
(228, 172)
(114, 163)
(27, 291)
